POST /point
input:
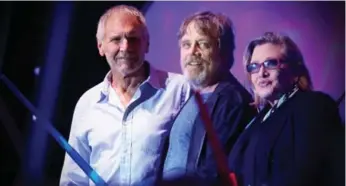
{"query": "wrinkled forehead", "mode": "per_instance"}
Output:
(124, 22)
(201, 28)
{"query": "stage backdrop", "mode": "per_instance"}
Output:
(317, 27)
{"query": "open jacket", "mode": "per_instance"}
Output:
(302, 143)
(230, 111)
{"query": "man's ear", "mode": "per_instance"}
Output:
(100, 48)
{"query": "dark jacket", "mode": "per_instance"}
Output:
(300, 144)
(230, 112)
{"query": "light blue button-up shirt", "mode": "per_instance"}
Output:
(124, 145)
(179, 139)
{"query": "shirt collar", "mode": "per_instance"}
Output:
(154, 79)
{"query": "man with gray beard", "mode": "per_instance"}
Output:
(206, 42)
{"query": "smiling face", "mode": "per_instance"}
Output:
(269, 83)
(124, 43)
(199, 56)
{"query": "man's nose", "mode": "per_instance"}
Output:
(124, 44)
(194, 50)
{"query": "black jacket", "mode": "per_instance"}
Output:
(230, 112)
(300, 144)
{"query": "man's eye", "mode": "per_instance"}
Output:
(116, 39)
(185, 45)
(132, 39)
(204, 45)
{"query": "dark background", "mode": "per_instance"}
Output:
(25, 33)
(26, 44)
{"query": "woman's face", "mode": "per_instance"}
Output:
(269, 76)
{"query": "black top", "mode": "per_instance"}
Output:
(300, 144)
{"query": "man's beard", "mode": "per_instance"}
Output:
(196, 79)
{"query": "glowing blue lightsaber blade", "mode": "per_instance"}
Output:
(92, 174)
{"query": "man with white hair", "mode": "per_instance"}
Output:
(119, 125)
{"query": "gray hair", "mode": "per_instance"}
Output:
(130, 10)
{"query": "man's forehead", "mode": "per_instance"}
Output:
(122, 18)
(194, 30)
(123, 23)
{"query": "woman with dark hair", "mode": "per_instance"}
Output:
(297, 138)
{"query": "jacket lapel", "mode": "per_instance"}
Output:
(267, 141)
(198, 137)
